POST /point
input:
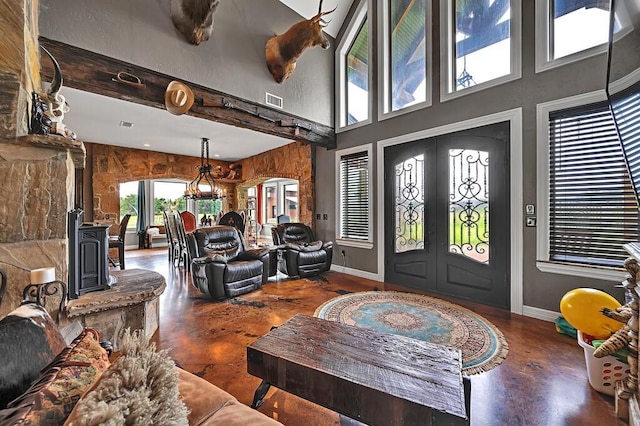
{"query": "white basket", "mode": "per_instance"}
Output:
(603, 372)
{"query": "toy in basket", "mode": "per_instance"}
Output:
(603, 372)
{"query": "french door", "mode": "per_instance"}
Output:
(447, 214)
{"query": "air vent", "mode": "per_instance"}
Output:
(273, 100)
(126, 124)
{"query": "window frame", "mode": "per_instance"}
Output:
(543, 263)
(359, 243)
(351, 32)
(544, 42)
(384, 70)
(446, 52)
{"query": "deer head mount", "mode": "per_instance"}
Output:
(194, 18)
(282, 51)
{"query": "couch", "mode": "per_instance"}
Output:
(82, 385)
(221, 265)
(301, 254)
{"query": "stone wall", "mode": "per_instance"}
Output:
(36, 171)
(113, 165)
(293, 161)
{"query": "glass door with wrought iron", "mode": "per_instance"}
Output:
(446, 215)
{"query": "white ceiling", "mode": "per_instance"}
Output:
(95, 118)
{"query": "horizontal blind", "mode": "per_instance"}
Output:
(354, 196)
(593, 208)
(626, 110)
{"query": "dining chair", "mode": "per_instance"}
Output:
(117, 241)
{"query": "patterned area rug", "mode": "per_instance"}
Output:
(424, 318)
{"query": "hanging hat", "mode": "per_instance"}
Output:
(178, 98)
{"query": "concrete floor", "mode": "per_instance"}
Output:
(543, 381)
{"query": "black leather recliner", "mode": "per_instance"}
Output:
(221, 266)
(301, 254)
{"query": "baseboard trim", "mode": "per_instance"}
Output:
(356, 272)
(528, 311)
(541, 314)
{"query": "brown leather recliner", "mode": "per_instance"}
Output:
(301, 254)
(221, 266)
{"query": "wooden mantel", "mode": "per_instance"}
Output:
(92, 72)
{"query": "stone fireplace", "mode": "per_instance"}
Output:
(37, 171)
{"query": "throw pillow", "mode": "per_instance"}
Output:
(140, 388)
(29, 339)
(51, 398)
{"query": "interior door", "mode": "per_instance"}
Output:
(447, 215)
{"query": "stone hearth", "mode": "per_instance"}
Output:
(132, 302)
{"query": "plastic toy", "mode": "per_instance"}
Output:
(582, 308)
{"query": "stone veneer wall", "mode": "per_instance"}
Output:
(113, 165)
(292, 161)
(36, 171)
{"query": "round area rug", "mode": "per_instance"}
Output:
(424, 318)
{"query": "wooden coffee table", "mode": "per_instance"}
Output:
(373, 377)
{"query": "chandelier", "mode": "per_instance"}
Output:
(196, 189)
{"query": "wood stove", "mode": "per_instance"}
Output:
(88, 256)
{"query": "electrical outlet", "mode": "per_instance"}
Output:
(531, 221)
(530, 209)
(325, 216)
(343, 253)
(318, 216)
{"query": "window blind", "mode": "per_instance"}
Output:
(592, 206)
(626, 110)
(354, 196)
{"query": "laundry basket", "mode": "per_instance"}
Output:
(603, 372)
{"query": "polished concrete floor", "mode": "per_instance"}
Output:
(543, 381)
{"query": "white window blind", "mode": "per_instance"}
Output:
(354, 196)
(592, 205)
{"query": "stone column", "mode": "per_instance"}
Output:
(37, 172)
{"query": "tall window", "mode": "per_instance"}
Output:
(129, 203)
(406, 46)
(352, 69)
(592, 208)
(354, 189)
(569, 30)
(280, 197)
(165, 194)
(483, 44)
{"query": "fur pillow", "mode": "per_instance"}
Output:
(140, 388)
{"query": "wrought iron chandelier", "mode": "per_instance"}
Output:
(195, 188)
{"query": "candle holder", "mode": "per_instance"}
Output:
(37, 293)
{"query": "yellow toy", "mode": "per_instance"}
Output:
(582, 308)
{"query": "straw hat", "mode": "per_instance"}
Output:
(178, 98)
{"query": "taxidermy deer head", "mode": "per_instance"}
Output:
(194, 18)
(282, 51)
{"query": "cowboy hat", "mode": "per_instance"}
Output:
(178, 98)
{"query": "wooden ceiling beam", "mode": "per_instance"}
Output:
(95, 73)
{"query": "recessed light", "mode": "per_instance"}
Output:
(126, 124)
(216, 155)
(146, 144)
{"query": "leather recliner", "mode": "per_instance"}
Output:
(221, 266)
(301, 254)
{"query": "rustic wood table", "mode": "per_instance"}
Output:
(372, 377)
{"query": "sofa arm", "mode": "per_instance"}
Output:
(215, 258)
(253, 254)
(208, 275)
